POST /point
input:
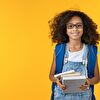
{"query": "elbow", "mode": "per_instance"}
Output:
(50, 77)
(98, 80)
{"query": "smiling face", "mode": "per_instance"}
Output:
(74, 28)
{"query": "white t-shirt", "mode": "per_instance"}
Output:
(76, 56)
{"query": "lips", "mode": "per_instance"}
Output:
(75, 33)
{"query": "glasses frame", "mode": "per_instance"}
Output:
(77, 25)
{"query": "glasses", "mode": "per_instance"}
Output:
(78, 26)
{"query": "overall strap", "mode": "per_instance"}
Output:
(85, 59)
(85, 55)
(66, 54)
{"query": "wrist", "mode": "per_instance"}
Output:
(89, 81)
(57, 80)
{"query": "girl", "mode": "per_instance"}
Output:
(76, 37)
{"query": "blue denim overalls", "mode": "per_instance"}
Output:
(78, 67)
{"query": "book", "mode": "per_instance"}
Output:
(64, 73)
(73, 80)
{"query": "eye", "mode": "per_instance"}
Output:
(79, 25)
(70, 26)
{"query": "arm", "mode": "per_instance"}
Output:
(96, 77)
(94, 80)
(52, 72)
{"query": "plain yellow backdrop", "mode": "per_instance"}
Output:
(25, 48)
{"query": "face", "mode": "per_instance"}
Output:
(74, 28)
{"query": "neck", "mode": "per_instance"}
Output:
(75, 45)
(75, 42)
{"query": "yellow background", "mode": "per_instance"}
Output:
(25, 48)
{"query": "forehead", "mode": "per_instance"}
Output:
(75, 19)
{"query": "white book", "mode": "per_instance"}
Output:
(73, 83)
(73, 80)
(64, 73)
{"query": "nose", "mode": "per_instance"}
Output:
(74, 28)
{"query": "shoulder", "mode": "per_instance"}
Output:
(93, 49)
(59, 47)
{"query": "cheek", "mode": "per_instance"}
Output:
(81, 31)
(68, 32)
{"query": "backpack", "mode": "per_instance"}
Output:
(60, 51)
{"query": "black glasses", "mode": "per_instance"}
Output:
(71, 26)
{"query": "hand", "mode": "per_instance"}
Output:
(63, 87)
(85, 86)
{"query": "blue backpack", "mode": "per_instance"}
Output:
(60, 51)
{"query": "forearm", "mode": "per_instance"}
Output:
(57, 81)
(52, 78)
(93, 80)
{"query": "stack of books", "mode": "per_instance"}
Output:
(73, 80)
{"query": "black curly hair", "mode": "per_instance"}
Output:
(58, 28)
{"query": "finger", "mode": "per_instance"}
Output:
(63, 87)
(82, 87)
(88, 82)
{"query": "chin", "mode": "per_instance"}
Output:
(76, 38)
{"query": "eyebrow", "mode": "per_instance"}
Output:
(76, 23)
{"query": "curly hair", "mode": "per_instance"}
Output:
(58, 28)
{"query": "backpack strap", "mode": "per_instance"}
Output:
(92, 60)
(91, 65)
(59, 51)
